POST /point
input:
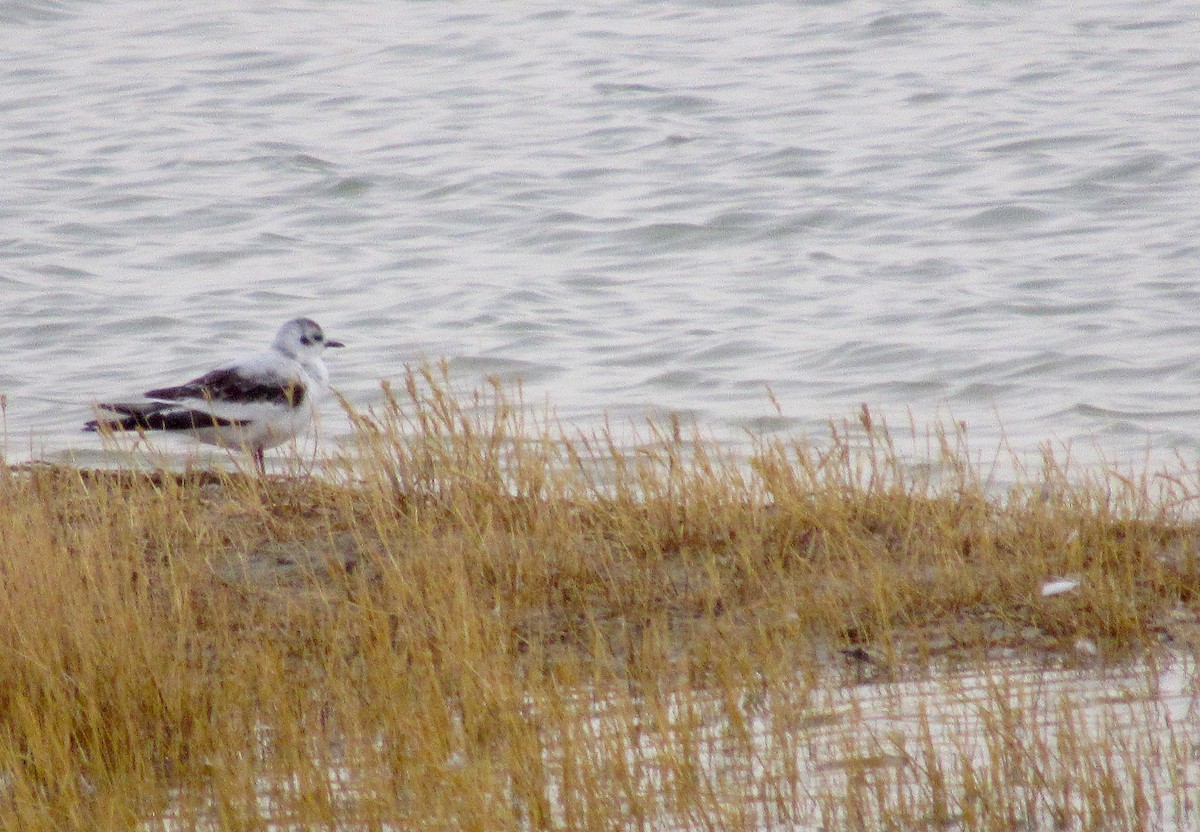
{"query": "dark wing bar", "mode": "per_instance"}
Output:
(228, 385)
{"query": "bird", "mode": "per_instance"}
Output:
(249, 404)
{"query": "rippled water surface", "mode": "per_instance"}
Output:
(986, 211)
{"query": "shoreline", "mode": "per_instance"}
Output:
(428, 619)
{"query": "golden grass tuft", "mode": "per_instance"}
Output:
(476, 620)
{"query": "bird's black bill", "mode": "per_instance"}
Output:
(334, 344)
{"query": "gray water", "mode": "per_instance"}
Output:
(980, 211)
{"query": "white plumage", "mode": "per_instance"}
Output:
(250, 404)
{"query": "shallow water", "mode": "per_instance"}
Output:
(984, 212)
(1006, 744)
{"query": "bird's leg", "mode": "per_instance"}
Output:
(260, 464)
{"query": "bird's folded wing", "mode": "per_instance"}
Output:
(156, 416)
(232, 385)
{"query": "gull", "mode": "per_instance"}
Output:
(249, 404)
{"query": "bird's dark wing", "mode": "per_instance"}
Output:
(156, 416)
(228, 385)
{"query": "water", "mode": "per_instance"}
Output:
(984, 211)
(1010, 744)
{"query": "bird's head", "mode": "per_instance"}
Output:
(303, 337)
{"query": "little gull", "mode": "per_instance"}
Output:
(249, 404)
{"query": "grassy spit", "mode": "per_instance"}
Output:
(473, 621)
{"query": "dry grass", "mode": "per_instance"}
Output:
(474, 621)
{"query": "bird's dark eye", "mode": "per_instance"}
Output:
(305, 340)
